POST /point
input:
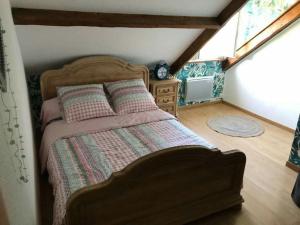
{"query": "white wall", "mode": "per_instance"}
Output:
(48, 47)
(19, 197)
(267, 82)
(155, 7)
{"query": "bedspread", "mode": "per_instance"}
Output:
(82, 159)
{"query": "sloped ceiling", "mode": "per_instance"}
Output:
(45, 47)
(156, 7)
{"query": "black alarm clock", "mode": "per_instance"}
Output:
(161, 71)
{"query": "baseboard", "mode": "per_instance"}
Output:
(293, 166)
(196, 105)
(260, 117)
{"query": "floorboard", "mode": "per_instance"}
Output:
(267, 181)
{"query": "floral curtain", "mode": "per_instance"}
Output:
(295, 151)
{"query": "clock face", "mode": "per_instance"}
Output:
(162, 73)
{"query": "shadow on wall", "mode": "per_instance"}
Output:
(38, 69)
(201, 69)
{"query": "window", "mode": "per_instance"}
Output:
(252, 19)
(258, 14)
(220, 46)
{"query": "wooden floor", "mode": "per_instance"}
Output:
(267, 182)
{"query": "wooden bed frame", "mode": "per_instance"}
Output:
(173, 186)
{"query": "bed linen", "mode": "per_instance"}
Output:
(82, 102)
(50, 111)
(88, 152)
(130, 96)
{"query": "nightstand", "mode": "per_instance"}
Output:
(165, 93)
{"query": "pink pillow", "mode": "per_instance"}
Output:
(130, 96)
(83, 102)
(50, 111)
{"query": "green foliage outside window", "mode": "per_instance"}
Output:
(258, 14)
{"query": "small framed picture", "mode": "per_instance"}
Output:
(2, 61)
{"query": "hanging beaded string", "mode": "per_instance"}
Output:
(13, 133)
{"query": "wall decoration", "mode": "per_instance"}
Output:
(295, 151)
(2, 61)
(200, 69)
(10, 120)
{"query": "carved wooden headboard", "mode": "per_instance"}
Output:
(97, 69)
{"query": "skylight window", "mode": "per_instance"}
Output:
(258, 14)
(222, 45)
(254, 17)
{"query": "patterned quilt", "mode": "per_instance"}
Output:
(77, 161)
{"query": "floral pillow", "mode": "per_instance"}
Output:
(83, 102)
(129, 96)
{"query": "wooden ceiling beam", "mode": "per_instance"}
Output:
(207, 34)
(24, 16)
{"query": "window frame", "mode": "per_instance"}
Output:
(279, 24)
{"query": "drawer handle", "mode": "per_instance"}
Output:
(165, 101)
(166, 90)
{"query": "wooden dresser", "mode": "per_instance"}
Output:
(165, 93)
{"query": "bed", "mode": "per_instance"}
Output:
(179, 179)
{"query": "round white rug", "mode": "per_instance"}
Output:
(237, 126)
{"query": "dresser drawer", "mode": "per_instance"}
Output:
(165, 94)
(165, 89)
(165, 99)
(168, 108)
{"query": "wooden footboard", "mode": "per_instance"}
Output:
(173, 186)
